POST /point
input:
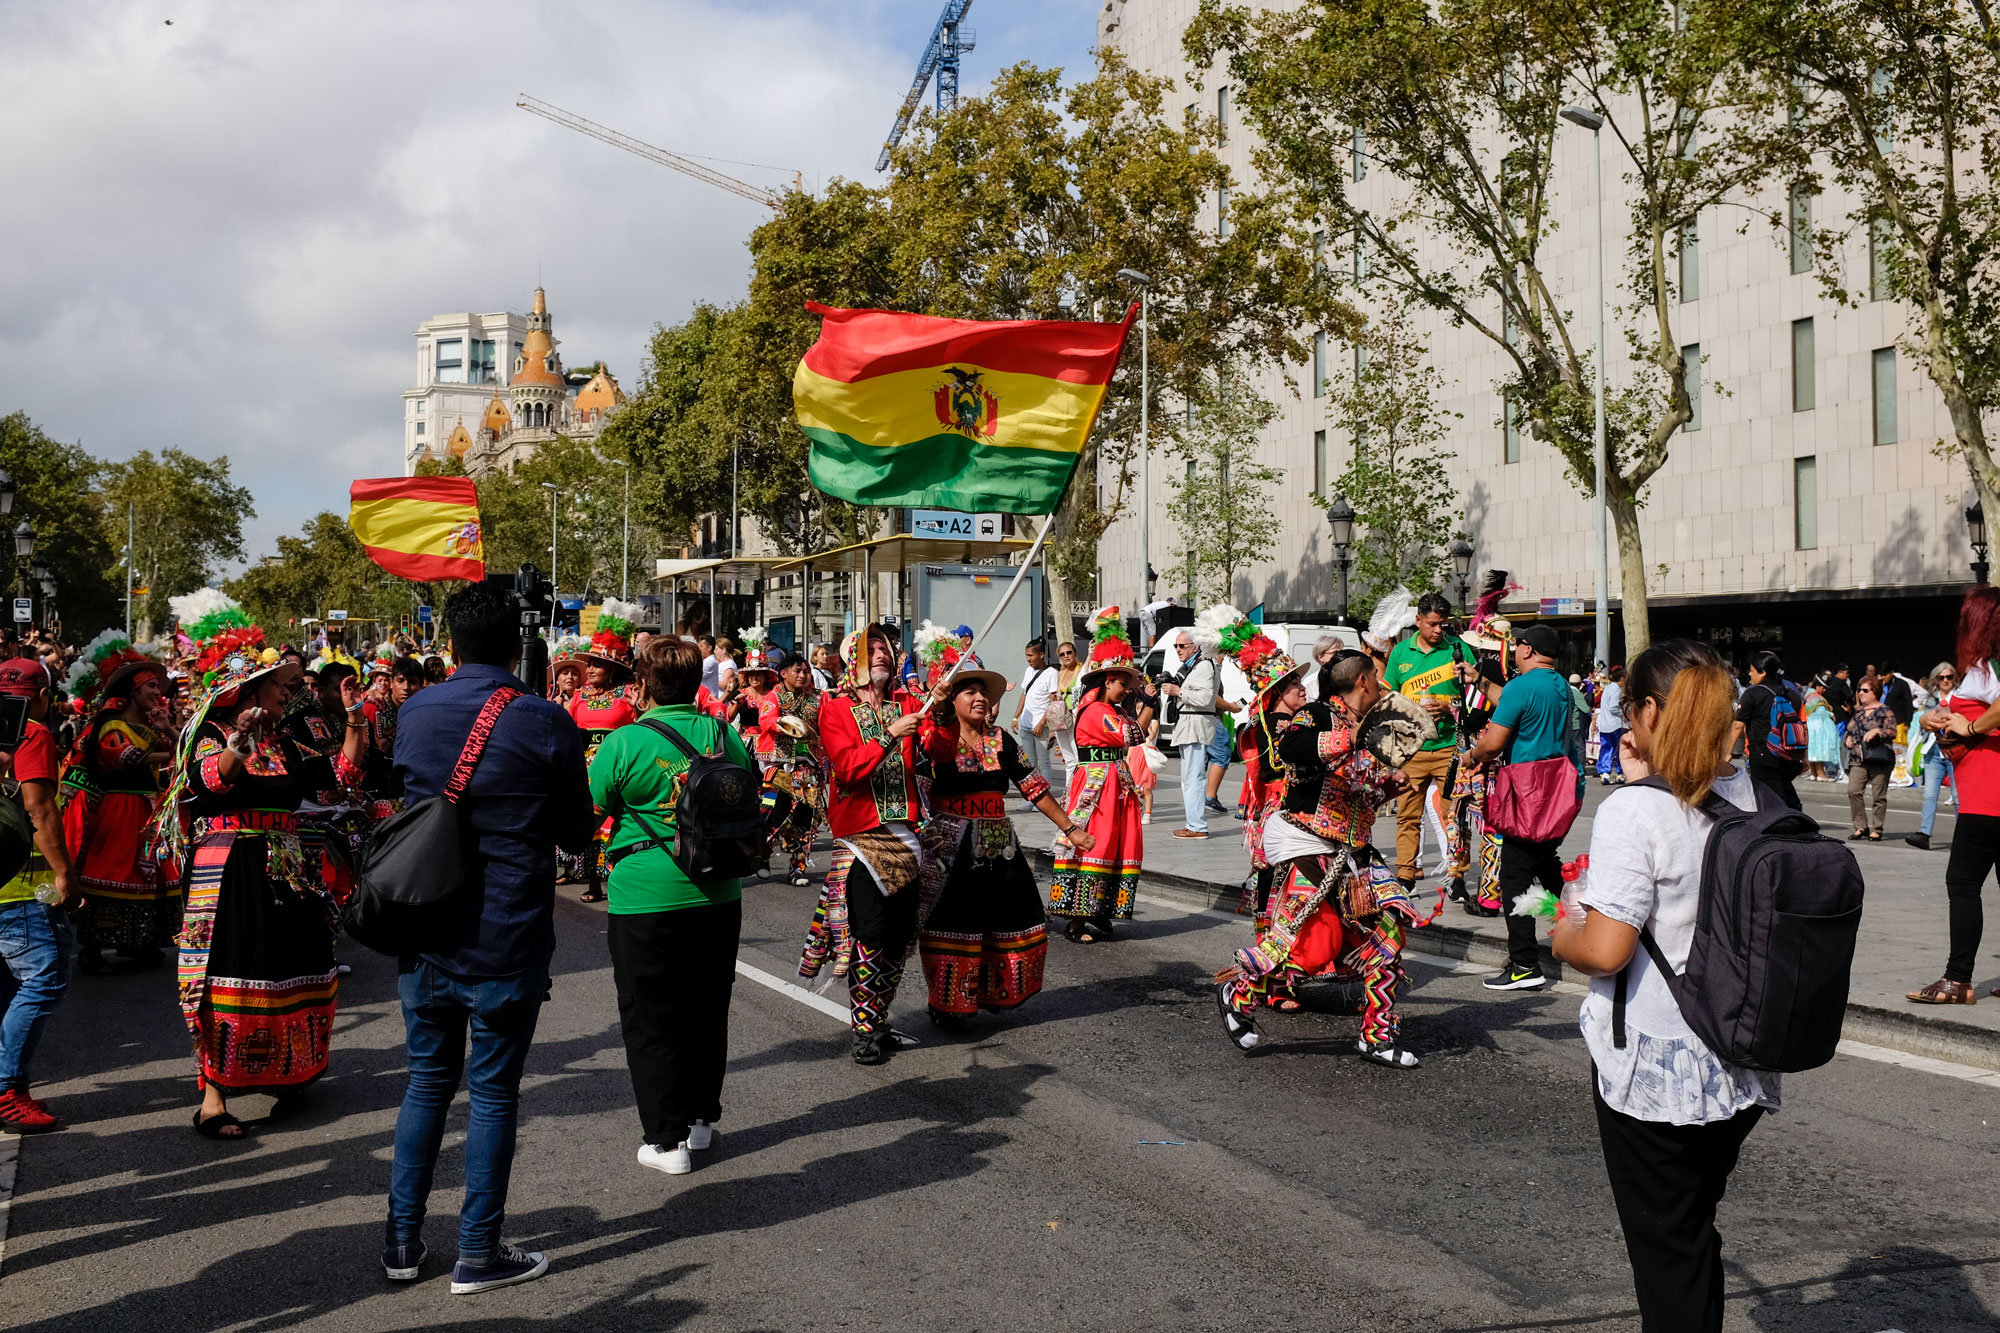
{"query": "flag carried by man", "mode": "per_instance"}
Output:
(952, 413)
(419, 528)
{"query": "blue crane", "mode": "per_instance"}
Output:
(948, 42)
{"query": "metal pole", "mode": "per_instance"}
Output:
(1603, 548)
(867, 586)
(1013, 586)
(129, 531)
(625, 570)
(555, 584)
(1145, 452)
(735, 457)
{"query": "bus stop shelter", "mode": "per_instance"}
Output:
(896, 554)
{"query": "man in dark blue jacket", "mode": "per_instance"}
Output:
(528, 796)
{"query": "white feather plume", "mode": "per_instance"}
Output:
(1394, 613)
(1208, 626)
(931, 639)
(631, 611)
(192, 606)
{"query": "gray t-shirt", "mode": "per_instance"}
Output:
(1645, 870)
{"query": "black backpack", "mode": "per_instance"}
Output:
(719, 822)
(1766, 979)
(410, 869)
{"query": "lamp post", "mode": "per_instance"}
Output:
(24, 550)
(555, 594)
(45, 579)
(625, 570)
(1592, 121)
(1340, 517)
(1975, 528)
(1133, 277)
(6, 491)
(1461, 565)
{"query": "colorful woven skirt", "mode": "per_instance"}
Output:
(131, 901)
(985, 941)
(1100, 884)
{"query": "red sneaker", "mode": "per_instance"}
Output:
(24, 1115)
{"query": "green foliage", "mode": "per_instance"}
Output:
(1398, 477)
(187, 519)
(1222, 504)
(55, 488)
(321, 569)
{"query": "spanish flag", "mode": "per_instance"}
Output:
(419, 528)
(952, 413)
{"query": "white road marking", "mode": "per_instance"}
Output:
(10, 1154)
(792, 990)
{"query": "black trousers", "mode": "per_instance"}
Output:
(1521, 864)
(1777, 774)
(674, 972)
(1666, 1180)
(1975, 850)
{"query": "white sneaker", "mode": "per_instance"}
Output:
(701, 1136)
(674, 1161)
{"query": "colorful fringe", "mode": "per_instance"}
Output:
(204, 888)
(828, 936)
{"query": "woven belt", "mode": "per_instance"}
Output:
(276, 821)
(1100, 754)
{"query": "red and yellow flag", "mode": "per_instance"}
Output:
(419, 528)
(953, 413)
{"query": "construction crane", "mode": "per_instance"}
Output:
(948, 43)
(769, 198)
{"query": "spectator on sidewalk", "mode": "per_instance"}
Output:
(1822, 736)
(1753, 726)
(37, 941)
(1840, 698)
(1193, 689)
(1530, 723)
(1424, 668)
(1934, 767)
(1871, 753)
(1062, 708)
(672, 938)
(1671, 1115)
(1610, 723)
(1030, 731)
(528, 796)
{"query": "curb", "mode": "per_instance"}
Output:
(1935, 1038)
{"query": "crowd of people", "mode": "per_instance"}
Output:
(212, 798)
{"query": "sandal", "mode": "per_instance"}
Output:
(1876, 836)
(1241, 1031)
(213, 1127)
(1101, 928)
(1859, 835)
(1080, 931)
(1393, 1056)
(1945, 991)
(591, 895)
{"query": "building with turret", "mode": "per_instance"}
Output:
(491, 409)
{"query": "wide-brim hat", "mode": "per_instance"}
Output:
(1492, 636)
(229, 684)
(992, 682)
(1282, 671)
(122, 678)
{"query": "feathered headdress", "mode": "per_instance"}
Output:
(569, 648)
(1110, 650)
(100, 660)
(1495, 591)
(1255, 655)
(612, 643)
(1395, 612)
(1208, 627)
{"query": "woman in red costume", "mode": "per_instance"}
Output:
(1094, 884)
(603, 705)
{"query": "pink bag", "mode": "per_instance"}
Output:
(1536, 801)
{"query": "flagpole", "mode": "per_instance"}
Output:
(1013, 586)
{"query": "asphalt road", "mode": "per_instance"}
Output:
(1103, 1161)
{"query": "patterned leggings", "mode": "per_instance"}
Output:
(871, 987)
(1374, 948)
(884, 926)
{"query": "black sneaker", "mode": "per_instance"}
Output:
(870, 1048)
(1516, 978)
(1215, 807)
(1456, 890)
(1920, 841)
(513, 1264)
(401, 1262)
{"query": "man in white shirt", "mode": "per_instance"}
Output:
(1036, 686)
(711, 671)
(1193, 690)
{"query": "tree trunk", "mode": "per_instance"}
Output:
(1969, 430)
(1631, 569)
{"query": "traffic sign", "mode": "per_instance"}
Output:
(24, 610)
(336, 615)
(951, 523)
(423, 615)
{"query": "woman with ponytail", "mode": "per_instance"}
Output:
(1671, 1115)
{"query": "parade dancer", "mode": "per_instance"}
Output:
(109, 795)
(1281, 692)
(1095, 885)
(787, 741)
(983, 939)
(604, 704)
(1467, 836)
(869, 731)
(1337, 903)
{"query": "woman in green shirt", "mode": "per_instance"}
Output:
(673, 939)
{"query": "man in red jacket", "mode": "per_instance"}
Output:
(867, 728)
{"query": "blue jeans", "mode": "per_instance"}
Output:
(36, 942)
(1194, 785)
(1608, 762)
(1218, 744)
(1936, 769)
(438, 1009)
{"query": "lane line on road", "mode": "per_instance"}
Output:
(792, 990)
(10, 1161)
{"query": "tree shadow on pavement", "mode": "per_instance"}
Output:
(1904, 1287)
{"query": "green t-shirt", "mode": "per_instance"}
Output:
(635, 780)
(1413, 673)
(1535, 706)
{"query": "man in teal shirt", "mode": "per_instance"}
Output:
(1531, 722)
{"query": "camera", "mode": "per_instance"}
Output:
(535, 603)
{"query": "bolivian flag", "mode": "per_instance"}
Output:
(952, 413)
(419, 528)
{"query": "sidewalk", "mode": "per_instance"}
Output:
(1902, 944)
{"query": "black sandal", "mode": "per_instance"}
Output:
(591, 895)
(1393, 1056)
(1079, 931)
(1101, 926)
(1239, 1028)
(212, 1127)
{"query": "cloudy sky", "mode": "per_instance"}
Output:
(222, 231)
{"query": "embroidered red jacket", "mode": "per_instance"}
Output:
(871, 779)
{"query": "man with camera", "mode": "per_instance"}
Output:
(1193, 690)
(36, 938)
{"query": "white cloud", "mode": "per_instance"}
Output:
(223, 232)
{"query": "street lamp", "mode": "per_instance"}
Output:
(1340, 517)
(554, 587)
(1594, 122)
(625, 570)
(6, 491)
(1461, 565)
(1134, 278)
(24, 539)
(1975, 528)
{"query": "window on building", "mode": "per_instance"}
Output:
(1222, 114)
(1319, 462)
(1360, 255)
(450, 361)
(1804, 396)
(481, 367)
(1690, 254)
(1801, 229)
(420, 428)
(1692, 355)
(1883, 364)
(1360, 154)
(1880, 239)
(420, 407)
(1510, 430)
(1319, 253)
(1319, 365)
(1222, 212)
(1883, 85)
(1805, 503)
